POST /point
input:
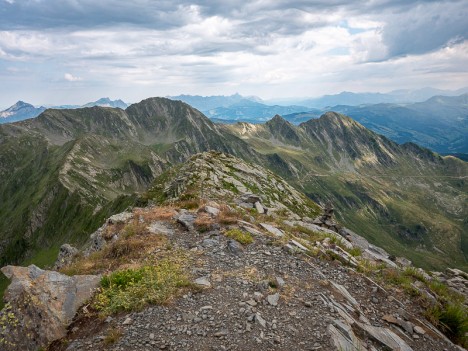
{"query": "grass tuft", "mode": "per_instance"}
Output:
(240, 236)
(113, 335)
(132, 289)
(452, 319)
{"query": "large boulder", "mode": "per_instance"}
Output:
(40, 305)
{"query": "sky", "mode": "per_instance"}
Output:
(76, 51)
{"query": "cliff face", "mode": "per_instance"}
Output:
(225, 254)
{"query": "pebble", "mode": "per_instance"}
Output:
(273, 299)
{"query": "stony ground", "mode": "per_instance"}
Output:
(259, 296)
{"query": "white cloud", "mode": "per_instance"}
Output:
(71, 78)
(265, 47)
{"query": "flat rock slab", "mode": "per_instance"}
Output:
(42, 305)
(272, 230)
(203, 282)
(343, 337)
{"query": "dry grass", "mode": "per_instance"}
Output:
(163, 213)
(203, 222)
(123, 252)
(227, 216)
(113, 335)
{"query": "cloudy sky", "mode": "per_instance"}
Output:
(75, 51)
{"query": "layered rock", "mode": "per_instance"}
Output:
(40, 306)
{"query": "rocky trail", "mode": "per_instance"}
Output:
(263, 296)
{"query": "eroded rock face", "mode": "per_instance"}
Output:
(40, 306)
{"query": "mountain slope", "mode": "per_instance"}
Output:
(79, 164)
(402, 197)
(203, 266)
(86, 161)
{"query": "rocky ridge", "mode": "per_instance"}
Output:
(276, 280)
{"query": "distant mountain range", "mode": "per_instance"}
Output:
(439, 123)
(66, 171)
(22, 110)
(402, 96)
(106, 102)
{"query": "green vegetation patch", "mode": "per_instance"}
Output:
(132, 289)
(240, 236)
(452, 319)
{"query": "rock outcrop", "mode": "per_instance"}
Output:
(40, 306)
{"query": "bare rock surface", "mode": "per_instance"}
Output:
(40, 306)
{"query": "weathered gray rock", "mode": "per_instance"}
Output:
(298, 245)
(203, 282)
(41, 304)
(340, 289)
(273, 230)
(260, 320)
(120, 218)
(160, 227)
(259, 207)
(343, 337)
(65, 256)
(385, 337)
(213, 211)
(234, 247)
(187, 220)
(250, 198)
(273, 299)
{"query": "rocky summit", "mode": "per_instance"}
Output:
(222, 254)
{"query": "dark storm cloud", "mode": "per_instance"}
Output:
(426, 28)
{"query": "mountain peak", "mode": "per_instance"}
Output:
(106, 102)
(20, 110)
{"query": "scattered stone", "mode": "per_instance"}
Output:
(234, 247)
(419, 330)
(220, 333)
(187, 220)
(260, 320)
(390, 319)
(259, 207)
(127, 321)
(272, 230)
(343, 337)
(280, 282)
(273, 299)
(203, 282)
(214, 212)
(120, 218)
